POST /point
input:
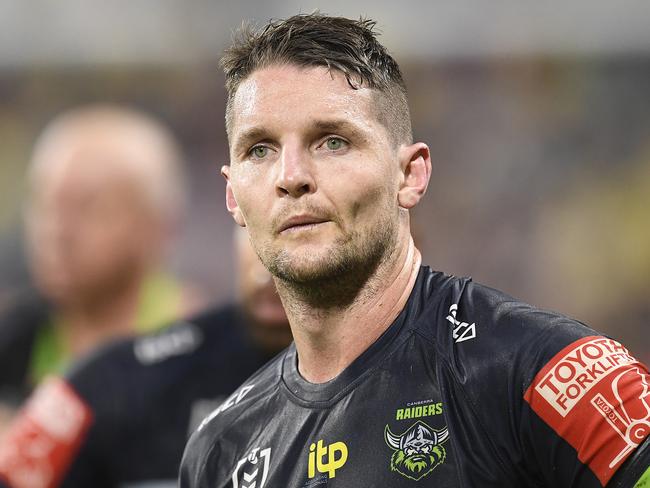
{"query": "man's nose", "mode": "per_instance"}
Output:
(295, 177)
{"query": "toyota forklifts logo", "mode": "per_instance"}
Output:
(252, 471)
(596, 396)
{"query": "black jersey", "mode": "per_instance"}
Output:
(122, 418)
(20, 325)
(467, 388)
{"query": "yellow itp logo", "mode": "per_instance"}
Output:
(336, 454)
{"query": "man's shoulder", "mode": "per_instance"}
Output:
(469, 319)
(487, 339)
(495, 346)
(485, 320)
(558, 379)
(533, 377)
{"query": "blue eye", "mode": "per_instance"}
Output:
(260, 151)
(334, 143)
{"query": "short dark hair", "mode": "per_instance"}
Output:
(345, 45)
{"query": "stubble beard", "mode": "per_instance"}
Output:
(335, 278)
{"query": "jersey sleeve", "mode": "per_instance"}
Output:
(561, 405)
(595, 396)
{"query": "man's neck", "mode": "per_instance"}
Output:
(329, 340)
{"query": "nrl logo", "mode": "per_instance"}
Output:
(251, 472)
(418, 451)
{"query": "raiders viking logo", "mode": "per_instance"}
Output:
(418, 451)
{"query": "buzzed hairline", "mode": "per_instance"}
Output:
(338, 44)
(381, 107)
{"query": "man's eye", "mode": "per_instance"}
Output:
(334, 143)
(260, 151)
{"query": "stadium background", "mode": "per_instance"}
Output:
(536, 114)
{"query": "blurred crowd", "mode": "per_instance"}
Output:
(541, 188)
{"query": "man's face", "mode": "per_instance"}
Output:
(313, 175)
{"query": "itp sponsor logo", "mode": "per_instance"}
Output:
(326, 459)
(252, 471)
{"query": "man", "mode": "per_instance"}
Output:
(122, 417)
(399, 376)
(105, 195)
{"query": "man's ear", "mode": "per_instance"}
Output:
(415, 163)
(231, 202)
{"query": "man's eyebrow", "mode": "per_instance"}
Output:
(248, 136)
(338, 126)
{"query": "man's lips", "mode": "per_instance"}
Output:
(299, 221)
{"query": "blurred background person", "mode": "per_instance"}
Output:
(122, 417)
(105, 195)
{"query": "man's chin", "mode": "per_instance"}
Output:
(305, 266)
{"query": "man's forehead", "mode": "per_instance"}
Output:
(288, 78)
(288, 90)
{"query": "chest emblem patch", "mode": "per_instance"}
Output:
(417, 451)
(252, 471)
